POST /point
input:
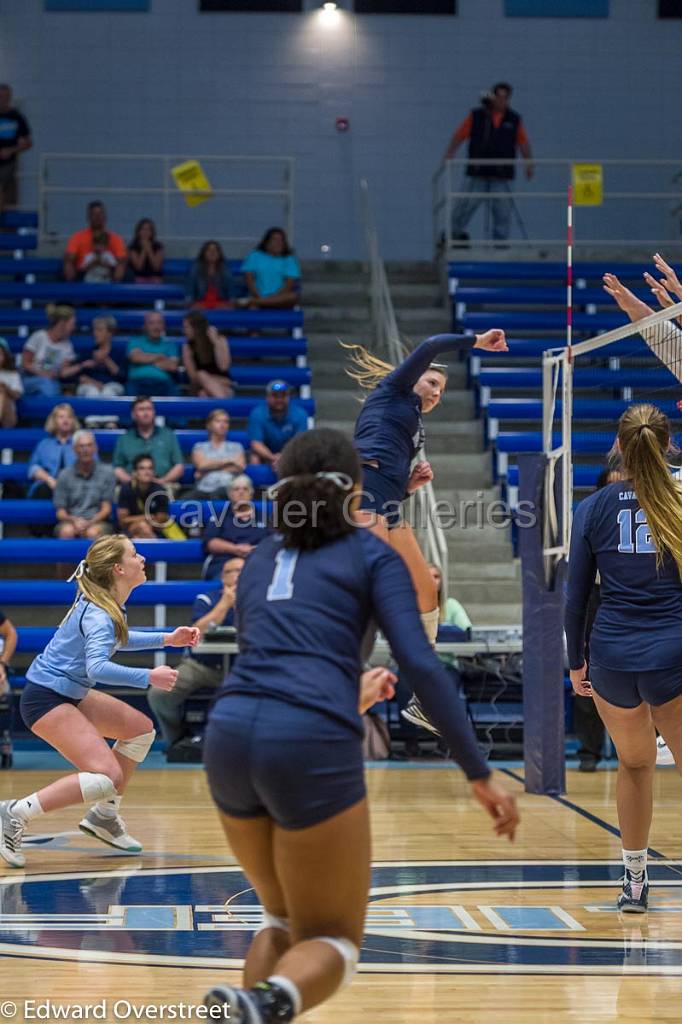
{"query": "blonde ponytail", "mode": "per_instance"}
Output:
(644, 439)
(95, 577)
(366, 369)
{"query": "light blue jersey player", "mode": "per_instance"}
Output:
(61, 705)
(631, 533)
(283, 748)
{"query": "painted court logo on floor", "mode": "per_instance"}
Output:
(425, 917)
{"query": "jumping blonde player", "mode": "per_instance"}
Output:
(389, 433)
(60, 704)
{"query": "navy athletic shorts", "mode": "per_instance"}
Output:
(629, 689)
(293, 764)
(380, 495)
(37, 700)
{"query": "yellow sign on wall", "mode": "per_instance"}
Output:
(588, 185)
(190, 179)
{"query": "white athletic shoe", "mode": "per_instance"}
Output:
(111, 831)
(663, 752)
(11, 835)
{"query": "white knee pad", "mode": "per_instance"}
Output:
(271, 921)
(349, 953)
(430, 624)
(95, 787)
(137, 748)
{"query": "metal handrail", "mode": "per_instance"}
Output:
(445, 193)
(167, 189)
(387, 340)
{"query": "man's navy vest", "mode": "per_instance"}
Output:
(488, 142)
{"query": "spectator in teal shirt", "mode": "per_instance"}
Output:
(272, 273)
(153, 359)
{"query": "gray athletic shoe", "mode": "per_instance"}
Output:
(11, 835)
(111, 831)
(414, 713)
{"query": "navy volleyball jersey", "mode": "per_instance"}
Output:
(301, 617)
(639, 623)
(389, 429)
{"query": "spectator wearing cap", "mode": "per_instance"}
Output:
(274, 422)
(11, 387)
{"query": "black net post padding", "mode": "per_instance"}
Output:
(543, 644)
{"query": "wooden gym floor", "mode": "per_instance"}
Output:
(461, 927)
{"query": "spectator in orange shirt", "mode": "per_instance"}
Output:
(493, 130)
(84, 249)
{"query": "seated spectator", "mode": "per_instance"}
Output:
(198, 671)
(209, 285)
(95, 250)
(53, 454)
(153, 359)
(216, 461)
(102, 373)
(145, 254)
(48, 358)
(145, 437)
(206, 357)
(8, 645)
(11, 387)
(143, 506)
(272, 273)
(84, 493)
(236, 531)
(274, 422)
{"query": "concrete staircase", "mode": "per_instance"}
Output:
(484, 576)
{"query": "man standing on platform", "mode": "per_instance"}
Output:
(494, 131)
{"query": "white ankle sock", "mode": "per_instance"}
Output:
(27, 808)
(290, 988)
(108, 808)
(635, 862)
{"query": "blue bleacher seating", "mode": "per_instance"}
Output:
(41, 592)
(507, 378)
(583, 408)
(24, 439)
(135, 294)
(524, 296)
(172, 268)
(48, 551)
(133, 319)
(37, 408)
(11, 219)
(583, 476)
(18, 240)
(30, 510)
(541, 271)
(536, 320)
(240, 348)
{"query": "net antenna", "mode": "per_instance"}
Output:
(662, 334)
